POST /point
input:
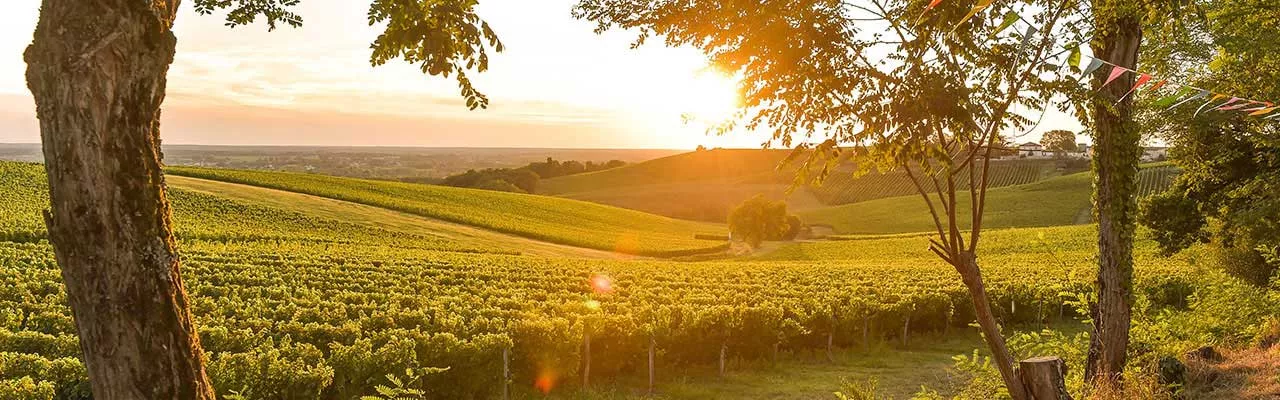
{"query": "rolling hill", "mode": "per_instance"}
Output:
(1063, 200)
(704, 185)
(545, 218)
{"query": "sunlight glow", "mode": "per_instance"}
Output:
(710, 98)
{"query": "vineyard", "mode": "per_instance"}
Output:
(844, 187)
(300, 320)
(291, 304)
(551, 219)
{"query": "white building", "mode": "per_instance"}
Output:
(1033, 150)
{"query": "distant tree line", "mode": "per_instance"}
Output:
(524, 179)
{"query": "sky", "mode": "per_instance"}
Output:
(557, 85)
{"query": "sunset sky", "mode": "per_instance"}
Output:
(556, 85)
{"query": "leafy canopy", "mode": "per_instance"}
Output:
(442, 37)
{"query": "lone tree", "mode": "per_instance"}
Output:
(933, 104)
(1059, 141)
(97, 70)
(758, 219)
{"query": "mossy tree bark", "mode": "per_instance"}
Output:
(1115, 165)
(97, 72)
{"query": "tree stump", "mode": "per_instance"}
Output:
(1044, 378)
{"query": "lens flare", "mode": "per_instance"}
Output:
(601, 284)
(545, 381)
(593, 304)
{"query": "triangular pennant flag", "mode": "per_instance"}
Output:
(1235, 107)
(1074, 58)
(1158, 85)
(1009, 19)
(1223, 106)
(1169, 99)
(1094, 64)
(1116, 71)
(982, 4)
(931, 5)
(1203, 93)
(1263, 111)
(1216, 97)
(1026, 38)
(1264, 105)
(1142, 80)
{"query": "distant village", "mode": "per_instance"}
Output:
(1084, 151)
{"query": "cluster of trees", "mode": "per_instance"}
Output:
(524, 179)
(759, 219)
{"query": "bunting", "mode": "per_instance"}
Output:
(1186, 94)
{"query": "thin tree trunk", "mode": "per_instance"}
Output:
(1115, 164)
(97, 72)
(972, 278)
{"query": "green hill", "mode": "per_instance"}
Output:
(704, 185)
(545, 218)
(1064, 200)
(723, 166)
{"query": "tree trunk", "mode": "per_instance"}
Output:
(1045, 378)
(972, 277)
(97, 72)
(1115, 163)
(830, 339)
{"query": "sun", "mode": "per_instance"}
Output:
(711, 97)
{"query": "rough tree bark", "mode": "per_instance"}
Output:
(97, 71)
(1115, 165)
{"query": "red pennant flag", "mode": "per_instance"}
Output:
(1159, 85)
(1233, 100)
(1264, 106)
(1143, 79)
(1116, 71)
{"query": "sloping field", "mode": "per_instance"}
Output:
(200, 215)
(556, 220)
(718, 165)
(845, 188)
(1049, 202)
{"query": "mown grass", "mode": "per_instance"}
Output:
(550, 219)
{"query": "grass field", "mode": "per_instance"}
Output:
(550, 219)
(711, 166)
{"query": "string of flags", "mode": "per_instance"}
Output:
(1184, 95)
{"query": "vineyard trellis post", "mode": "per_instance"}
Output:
(506, 372)
(653, 342)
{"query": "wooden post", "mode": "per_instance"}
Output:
(723, 347)
(586, 359)
(866, 338)
(652, 344)
(1044, 378)
(906, 326)
(506, 373)
(830, 337)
